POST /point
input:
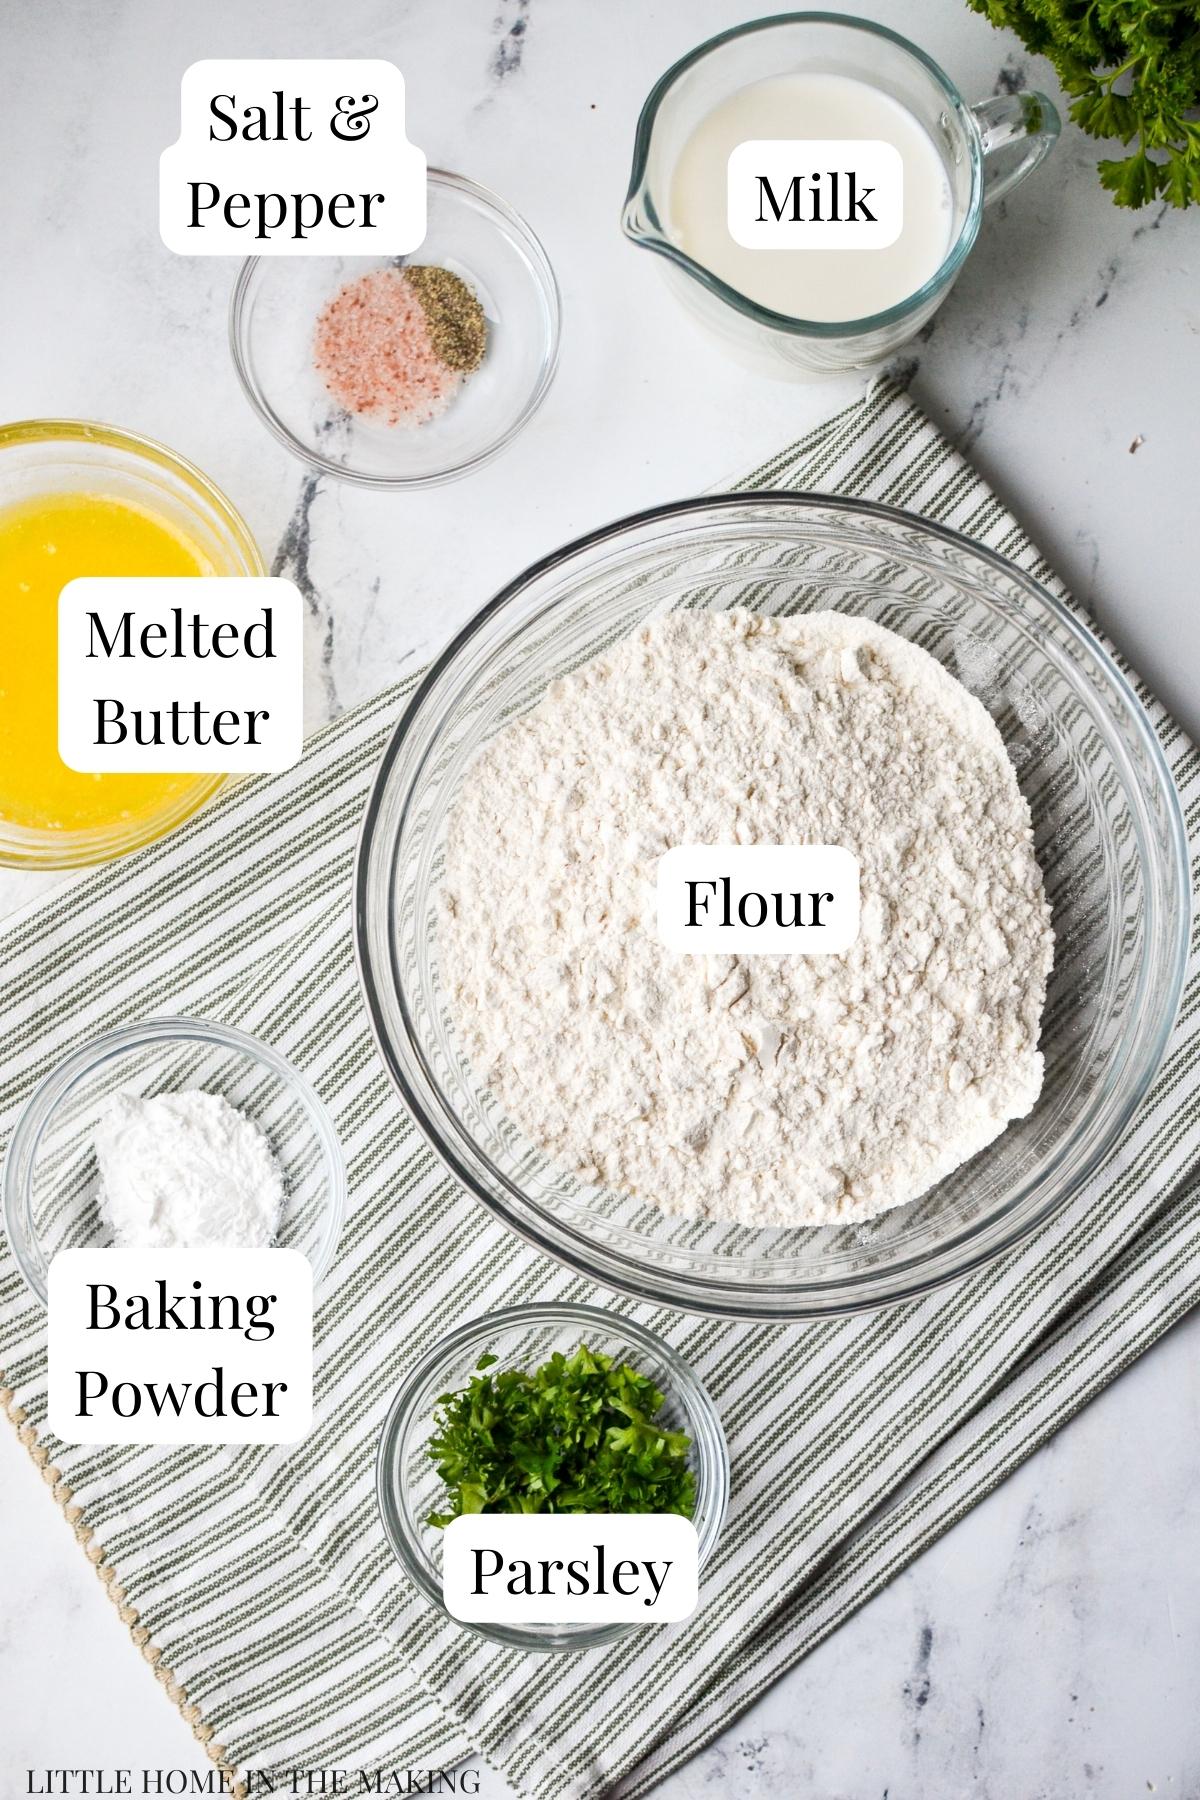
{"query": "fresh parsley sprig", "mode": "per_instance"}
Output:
(1133, 69)
(580, 1434)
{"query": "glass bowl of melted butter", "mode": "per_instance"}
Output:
(76, 499)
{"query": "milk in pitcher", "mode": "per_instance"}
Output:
(829, 284)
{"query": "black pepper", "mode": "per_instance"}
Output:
(453, 315)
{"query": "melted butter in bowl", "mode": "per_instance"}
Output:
(44, 543)
(81, 499)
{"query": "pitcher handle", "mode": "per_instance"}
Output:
(1028, 119)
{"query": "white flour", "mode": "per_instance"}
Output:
(770, 1090)
(188, 1171)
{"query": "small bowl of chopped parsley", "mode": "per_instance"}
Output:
(547, 1409)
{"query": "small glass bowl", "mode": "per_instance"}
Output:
(50, 1170)
(408, 1485)
(54, 456)
(475, 234)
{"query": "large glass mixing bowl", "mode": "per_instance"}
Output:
(1109, 835)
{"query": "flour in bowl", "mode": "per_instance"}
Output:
(770, 1090)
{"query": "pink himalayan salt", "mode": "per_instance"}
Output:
(373, 351)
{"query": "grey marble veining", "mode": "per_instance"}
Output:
(1047, 1648)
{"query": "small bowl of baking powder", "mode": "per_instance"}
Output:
(173, 1133)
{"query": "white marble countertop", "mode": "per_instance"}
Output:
(1048, 1645)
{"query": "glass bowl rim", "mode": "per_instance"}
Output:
(510, 224)
(910, 1278)
(40, 1105)
(704, 1423)
(21, 847)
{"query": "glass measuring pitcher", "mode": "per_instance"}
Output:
(985, 150)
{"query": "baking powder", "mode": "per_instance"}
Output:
(186, 1171)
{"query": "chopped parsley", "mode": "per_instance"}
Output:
(578, 1435)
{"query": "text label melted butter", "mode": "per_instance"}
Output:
(178, 675)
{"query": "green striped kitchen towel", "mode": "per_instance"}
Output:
(258, 1580)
